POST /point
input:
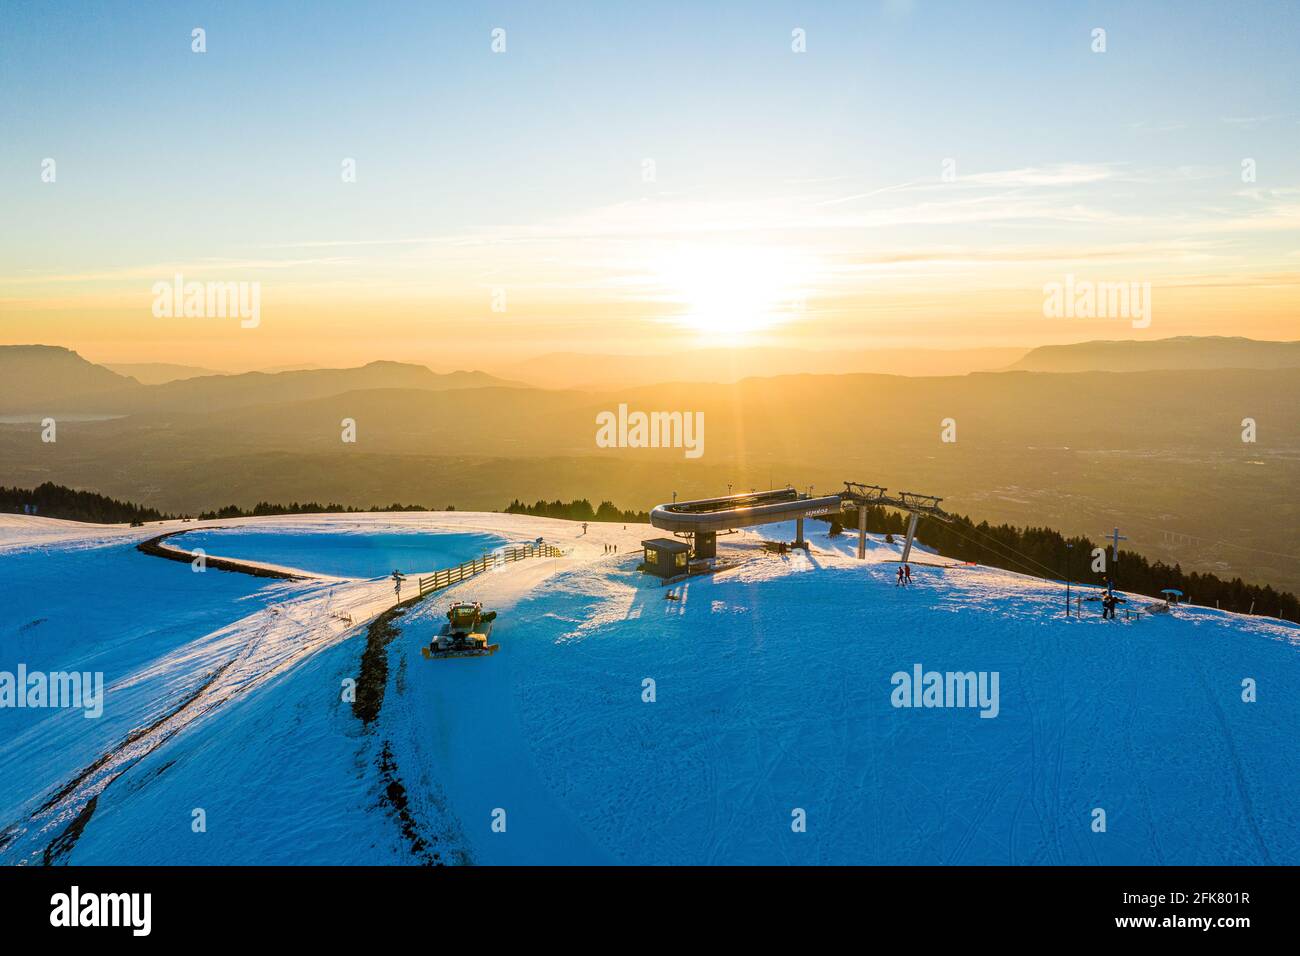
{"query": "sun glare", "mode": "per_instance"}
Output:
(726, 294)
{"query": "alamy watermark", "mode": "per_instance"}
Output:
(208, 300)
(1085, 299)
(922, 688)
(624, 429)
(75, 908)
(63, 689)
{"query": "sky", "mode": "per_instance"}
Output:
(627, 177)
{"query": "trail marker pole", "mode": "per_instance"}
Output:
(1069, 550)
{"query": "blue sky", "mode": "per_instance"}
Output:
(524, 169)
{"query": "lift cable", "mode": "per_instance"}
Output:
(993, 542)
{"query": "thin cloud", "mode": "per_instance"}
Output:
(1252, 121)
(159, 271)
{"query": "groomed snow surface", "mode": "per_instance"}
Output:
(226, 705)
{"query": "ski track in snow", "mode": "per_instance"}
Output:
(235, 661)
(256, 649)
(772, 687)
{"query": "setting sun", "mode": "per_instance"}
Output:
(727, 293)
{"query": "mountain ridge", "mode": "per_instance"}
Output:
(54, 379)
(1182, 352)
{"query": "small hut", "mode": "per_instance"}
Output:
(666, 557)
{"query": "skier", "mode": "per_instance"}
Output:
(907, 574)
(899, 582)
(1108, 606)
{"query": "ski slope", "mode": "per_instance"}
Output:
(772, 695)
(177, 650)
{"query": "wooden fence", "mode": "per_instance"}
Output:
(493, 559)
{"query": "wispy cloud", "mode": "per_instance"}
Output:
(193, 269)
(1157, 126)
(1253, 121)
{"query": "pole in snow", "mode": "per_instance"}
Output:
(1069, 550)
(862, 532)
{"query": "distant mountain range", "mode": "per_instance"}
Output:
(34, 374)
(46, 378)
(156, 373)
(51, 380)
(217, 392)
(1078, 450)
(602, 371)
(1182, 352)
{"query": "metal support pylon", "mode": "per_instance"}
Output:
(911, 534)
(862, 532)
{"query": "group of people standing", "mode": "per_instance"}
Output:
(611, 549)
(904, 575)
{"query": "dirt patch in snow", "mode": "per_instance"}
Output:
(374, 665)
(62, 845)
(393, 796)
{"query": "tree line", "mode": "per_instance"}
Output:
(57, 501)
(263, 508)
(577, 510)
(1046, 553)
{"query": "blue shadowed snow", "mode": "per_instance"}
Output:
(355, 554)
(109, 609)
(773, 693)
(284, 776)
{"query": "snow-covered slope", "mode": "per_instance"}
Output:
(772, 702)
